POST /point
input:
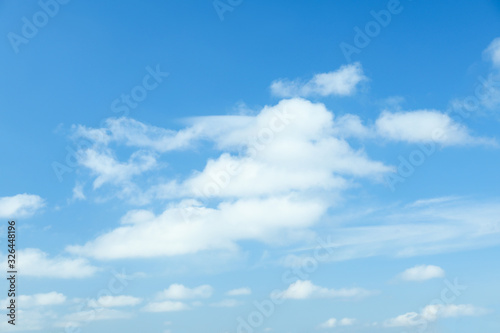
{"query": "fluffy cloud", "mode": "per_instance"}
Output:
(431, 313)
(178, 291)
(189, 228)
(20, 205)
(304, 289)
(34, 262)
(289, 146)
(333, 322)
(239, 292)
(165, 306)
(422, 273)
(424, 126)
(341, 82)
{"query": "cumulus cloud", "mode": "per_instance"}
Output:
(179, 291)
(20, 205)
(289, 146)
(341, 82)
(422, 273)
(34, 262)
(190, 228)
(424, 126)
(431, 313)
(304, 289)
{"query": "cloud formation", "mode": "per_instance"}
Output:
(305, 289)
(422, 273)
(20, 205)
(431, 313)
(341, 82)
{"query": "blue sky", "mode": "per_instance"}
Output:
(236, 166)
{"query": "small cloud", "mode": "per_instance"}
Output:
(78, 192)
(431, 313)
(20, 205)
(493, 52)
(333, 322)
(178, 291)
(422, 273)
(306, 289)
(44, 300)
(239, 292)
(341, 82)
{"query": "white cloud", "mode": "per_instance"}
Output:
(108, 169)
(114, 301)
(341, 82)
(52, 298)
(78, 192)
(37, 300)
(347, 321)
(424, 126)
(493, 51)
(333, 322)
(291, 146)
(133, 133)
(20, 205)
(432, 227)
(34, 262)
(304, 289)
(166, 306)
(298, 153)
(239, 292)
(422, 273)
(431, 313)
(178, 291)
(189, 228)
